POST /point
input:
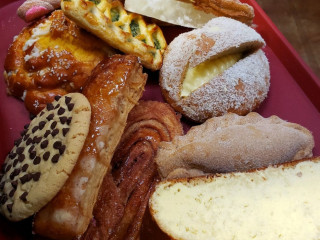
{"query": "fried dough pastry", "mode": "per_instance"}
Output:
(125, 191)
(114, 87)
(233, 143)
(127, 32)
(51, 57)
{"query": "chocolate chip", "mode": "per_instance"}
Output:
(69, 120)
(70, 106)
(32, 116)
(21, 157)
(62, 149)
(14, 184)
(61, 111)
(42, 124)
(54, 132)
(37, 139)
(20, 150)
(44, 144)
(12, 192)
(17, 142)
(37, 160)
(50, 117)
(55, 158)
(24, 167)
(46, 133)
(29, 141)
(41, 114)
(23, 196)
(26, 136)
(50, 106)
(9, 207)
(65, 131)
(2, 185)
(63, 120)
(14, 173)
(57, 97)
(31, 149)
(67, 100)
(15, 162)
(53, 125)
(23, 132)
(57, 106)
(25, 178)
(8, 168)
(57, 145)
(32, 155)
(26, 126)
(36, 176)
(12, 155)
(3, 199)
(34, 129)
(46, 156)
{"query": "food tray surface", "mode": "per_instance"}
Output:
(293, 96)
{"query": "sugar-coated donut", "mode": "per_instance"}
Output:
(226, 59)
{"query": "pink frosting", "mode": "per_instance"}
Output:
(35, 12)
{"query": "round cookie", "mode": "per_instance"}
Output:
(42, 159)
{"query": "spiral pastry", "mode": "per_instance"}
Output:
(125, 190)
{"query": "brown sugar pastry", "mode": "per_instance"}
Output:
(191, 13)
(126, 188)
(113, 89)
(43, 158)
(234, 143)
(278, 202)
(51, 57)
(127, 32)
(215, 69)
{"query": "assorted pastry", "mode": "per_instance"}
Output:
(97, 162)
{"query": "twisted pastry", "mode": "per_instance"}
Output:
(125, 190)
(34, 9)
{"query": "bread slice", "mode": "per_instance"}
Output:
(278, 202)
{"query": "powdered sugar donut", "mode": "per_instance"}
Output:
(216, 69)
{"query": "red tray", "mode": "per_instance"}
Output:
(293, 96)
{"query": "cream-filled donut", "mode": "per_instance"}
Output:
(215, 69)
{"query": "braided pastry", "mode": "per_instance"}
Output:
(125, 190)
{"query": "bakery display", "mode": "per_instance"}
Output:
(51, 57)
(125, 190)
(189, 13)
(278, 202)
(113, 89)
(233, 143)
(127, 32)
(215, 69)
(43, 158)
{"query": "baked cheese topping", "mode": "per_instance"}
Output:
(206, 71)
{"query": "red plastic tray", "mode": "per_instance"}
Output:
(293, 95)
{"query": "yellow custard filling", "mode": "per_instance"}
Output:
(204, 72)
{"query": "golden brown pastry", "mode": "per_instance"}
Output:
(215, 69)
(51, 57)
(234, 143)
(125, 190)
(125, 31)
(114, 87)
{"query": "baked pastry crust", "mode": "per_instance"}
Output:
(127, 32)
(239, 89)
(113, 89)
(51, 57)
(234, 143)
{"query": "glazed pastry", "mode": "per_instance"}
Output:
(114, 87)
(190, 13)
(33, 9)
(124, 31)
(51, 57)
(125, 190)
(216, 69)
(234, 143)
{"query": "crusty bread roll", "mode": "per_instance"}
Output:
(279, 202)
(190, 13)
(215, 69)
(233, 143)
